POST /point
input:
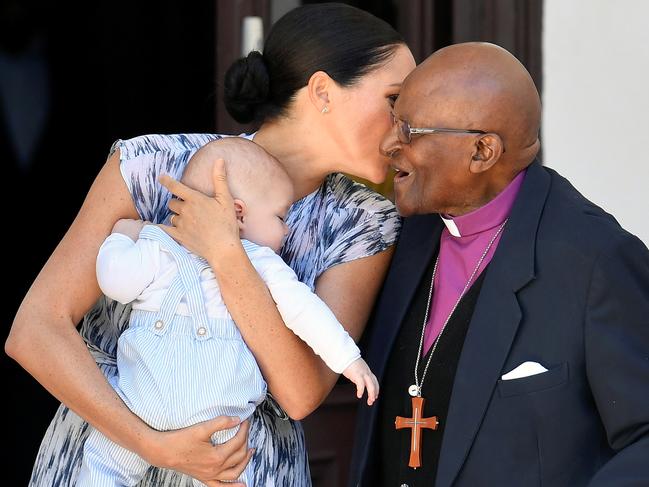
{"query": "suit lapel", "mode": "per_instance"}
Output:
(494, 324)
(418, 242)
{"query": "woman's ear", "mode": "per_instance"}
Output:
(318, 90)
(487, 151)
(241, 211)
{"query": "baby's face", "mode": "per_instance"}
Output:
(264, 223)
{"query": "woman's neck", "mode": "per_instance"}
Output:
(298, 151)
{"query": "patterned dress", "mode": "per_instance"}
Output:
(339, 222)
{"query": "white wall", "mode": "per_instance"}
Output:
(596, 103)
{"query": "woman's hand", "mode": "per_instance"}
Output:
(190, 451)
(205, 225)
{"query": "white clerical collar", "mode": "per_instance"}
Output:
(488, 216)
(451, 226)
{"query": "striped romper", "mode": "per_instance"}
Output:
(175, 370)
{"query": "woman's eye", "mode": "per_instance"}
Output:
(392, 99)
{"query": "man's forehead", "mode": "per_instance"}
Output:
(418, 98)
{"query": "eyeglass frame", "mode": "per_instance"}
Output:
(430, 130)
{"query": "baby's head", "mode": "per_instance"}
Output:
(261, 188)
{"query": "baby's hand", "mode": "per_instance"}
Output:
(360, 374)
(128, 227)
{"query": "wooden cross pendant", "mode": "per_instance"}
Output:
(416, 423)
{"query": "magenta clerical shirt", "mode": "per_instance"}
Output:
(462, 243)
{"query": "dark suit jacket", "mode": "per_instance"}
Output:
(568, 288)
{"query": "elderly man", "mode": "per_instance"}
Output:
(511, 337)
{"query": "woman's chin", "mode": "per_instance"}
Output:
(378, 176)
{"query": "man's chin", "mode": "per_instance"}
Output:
(403, 209)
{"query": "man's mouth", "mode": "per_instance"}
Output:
(400, 174)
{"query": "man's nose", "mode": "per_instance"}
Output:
(390, 144)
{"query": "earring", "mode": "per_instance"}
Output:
(325, 109)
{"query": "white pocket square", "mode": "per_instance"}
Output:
(525, 369)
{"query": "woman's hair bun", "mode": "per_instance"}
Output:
(246, 87)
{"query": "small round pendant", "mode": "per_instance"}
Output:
(413, 390)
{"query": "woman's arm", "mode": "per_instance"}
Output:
(297, 378)
(45, 341)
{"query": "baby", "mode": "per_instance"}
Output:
(182, 359)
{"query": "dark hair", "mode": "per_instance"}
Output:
(341, 40)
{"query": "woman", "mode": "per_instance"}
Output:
(323, 90)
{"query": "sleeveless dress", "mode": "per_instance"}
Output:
(339, 222)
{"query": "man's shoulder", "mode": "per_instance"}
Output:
(419, 227)
(574, 232)
(572, 217)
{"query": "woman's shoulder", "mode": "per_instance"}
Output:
(358, 221)
(154, 143)
(344, 193)
(143, 159)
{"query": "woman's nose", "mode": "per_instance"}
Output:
(390, 144)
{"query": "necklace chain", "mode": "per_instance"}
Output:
(419, 384)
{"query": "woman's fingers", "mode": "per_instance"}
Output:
(238, 457)
(234, 455)
(235, 471)
(171, 231)
(220, 180)
(190, 450)
(208, 428)
(175, 187)
(203, 223)
(237, 442)
(175, 205)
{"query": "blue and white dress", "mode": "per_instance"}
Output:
(339, 222)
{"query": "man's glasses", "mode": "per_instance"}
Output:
(405, 131)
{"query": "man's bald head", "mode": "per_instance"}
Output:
(483, 87)
(466, 87)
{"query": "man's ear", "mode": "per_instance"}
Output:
(241, 211)
(487, 151)
(318, 90)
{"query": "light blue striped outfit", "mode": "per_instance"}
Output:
(175, 371)
(339, 222)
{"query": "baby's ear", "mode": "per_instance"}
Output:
(240, 209)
